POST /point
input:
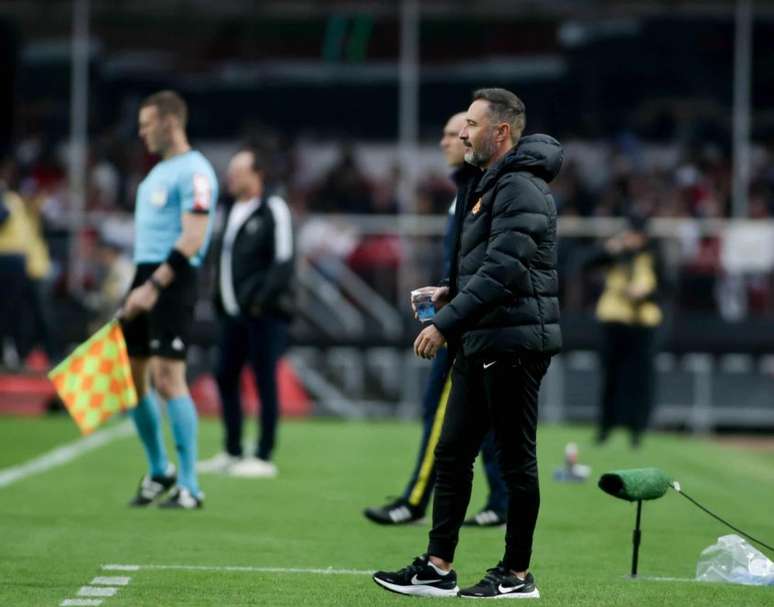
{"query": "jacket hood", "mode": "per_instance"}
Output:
(539, 154)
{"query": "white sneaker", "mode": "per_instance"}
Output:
(253, 467)
(220, 463)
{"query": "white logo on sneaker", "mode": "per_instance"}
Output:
(417, 582)
(486, 518)
(508, 589)
(398, 515)
(487, 365)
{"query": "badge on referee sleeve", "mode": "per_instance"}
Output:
(202, 193)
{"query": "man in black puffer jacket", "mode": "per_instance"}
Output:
(500, 314)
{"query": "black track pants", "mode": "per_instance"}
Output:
(502, 394)
(629, 377)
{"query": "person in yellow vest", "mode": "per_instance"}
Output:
(38, 260)
(14, 249)
(35, 297)
(630, 312)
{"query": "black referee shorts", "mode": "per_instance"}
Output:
(165, 330)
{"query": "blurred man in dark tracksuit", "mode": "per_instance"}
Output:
(254, 274)
(412, 504)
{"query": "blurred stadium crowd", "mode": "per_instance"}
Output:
(652, 136)
(600, 179)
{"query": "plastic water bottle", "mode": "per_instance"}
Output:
(423, 303)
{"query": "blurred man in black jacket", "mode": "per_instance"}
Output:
(501, 317)
(254, 273)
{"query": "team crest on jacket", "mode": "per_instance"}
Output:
(476, 208)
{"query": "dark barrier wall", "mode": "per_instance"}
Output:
(9, 55)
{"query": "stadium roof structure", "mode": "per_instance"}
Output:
(300, 8)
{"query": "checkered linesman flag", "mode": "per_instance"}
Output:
(95, 381)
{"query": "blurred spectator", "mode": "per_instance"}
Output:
(571, 194)
(114, 276)
(345, 188)
(385, 194)
(104, 185)
(630, 313)
(14, 250)
(433, 194)
(36, 330)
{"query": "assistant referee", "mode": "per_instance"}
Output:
(173, 221)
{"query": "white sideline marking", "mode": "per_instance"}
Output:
(238, 568)
(62, 455)
(97, 591)
(110, 581)
(646, 578)
(80, 602)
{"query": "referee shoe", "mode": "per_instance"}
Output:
(153, 488)
(421, 578)
(182, 498)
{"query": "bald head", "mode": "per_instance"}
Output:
(452, 146)
(245, 177)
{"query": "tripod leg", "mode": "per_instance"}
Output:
(636, 537)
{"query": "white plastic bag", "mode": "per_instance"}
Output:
(734, 560)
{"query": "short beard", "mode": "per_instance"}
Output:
(481, 157)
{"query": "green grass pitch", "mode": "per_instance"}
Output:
(59, 527)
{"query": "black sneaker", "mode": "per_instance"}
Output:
(486, 518)
(182, 498)
(153, 488)
(499, 583)
(399, 512)
(419, 579)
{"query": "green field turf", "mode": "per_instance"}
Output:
(57, 528)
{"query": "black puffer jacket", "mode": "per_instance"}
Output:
(504, 284)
